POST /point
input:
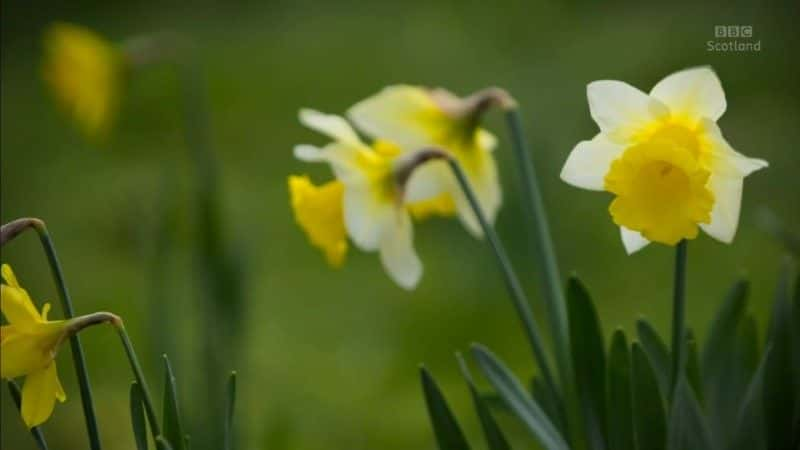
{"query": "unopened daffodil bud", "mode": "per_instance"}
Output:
(664, 158)
(416, 117)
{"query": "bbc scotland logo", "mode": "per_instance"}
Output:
(733, 39)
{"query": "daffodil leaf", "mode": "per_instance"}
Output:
(658, 353)
(779, 396)
(172, 429)
(620, 397)
(687, 426)
(36, 432)
(137, 417)
(693, 366)
(518, 400)
(544, 397)
(229, 409)
(445, 427)
(494, 437)
(162, 443)
(649, 418)
(589, 361)
(748, 432)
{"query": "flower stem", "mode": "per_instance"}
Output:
(150, 410)
(512, 281)
(678, 313)
(543, 248)
(78, 357)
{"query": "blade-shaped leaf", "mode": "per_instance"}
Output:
(162, 444)
(620, 401)
(445, 427)
(229, 409)
(589, 361)
(172, 429)
(36, 432)
(649, 418)
(494, 437)
(655, 349)
(137, 416)
(748, 434)
(693, 366)
(523, 406)
(687, 427)
(722, 330)
(779, 397)
(549, 405)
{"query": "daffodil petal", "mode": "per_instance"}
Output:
(39, 394)
(17, 307)
(695, 92)
(365, 217)
(486, 140)
(588, 163)
(486, 186)
(23, 351)
(8, 276)
(428, 181)
(330, 125)
(400, 113)
(309, 153)
(632, 240)
(727, 203)
(621, 110)
(726, 160)
(398, 255)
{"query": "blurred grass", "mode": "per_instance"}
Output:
(330, 357)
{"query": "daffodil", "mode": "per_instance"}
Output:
(368, 196)
(416, 117)
(84, 72)
(664, 158)
(28, 346)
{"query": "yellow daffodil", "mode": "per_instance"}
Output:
(664, 158)
(28, 346)
(84, 72)
(416, 118)
(372, 201)
(319, 211)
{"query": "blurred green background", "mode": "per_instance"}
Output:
(328, 359)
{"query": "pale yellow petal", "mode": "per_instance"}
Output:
(622, 111)
(696, 93)
(39, 394)
(17, 307)
(397, 252)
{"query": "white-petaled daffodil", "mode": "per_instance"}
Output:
(373, 198)
(664, 158)
(416, 117)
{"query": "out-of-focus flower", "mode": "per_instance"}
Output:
(664, 158)
(319, 212)
(84, 71)
(415, 117)
(28, 347)
(373, 202)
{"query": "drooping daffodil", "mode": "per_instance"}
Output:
(664, 158)
(28, 346)
(84, 72)
(371, 196)
(415, 117)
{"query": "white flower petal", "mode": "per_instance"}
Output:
(725, 213)
(486, 140)
(399, 113)
(696, 92)
(728, 161)
(397, 252)
(330, 125)
(309, 153)
(486, 186)
(365, 217)
(589, 162)
(428, 181)
(621, 110)
(632, 240)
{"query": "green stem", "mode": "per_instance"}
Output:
(678, 313)
(150, 410)
(512, 281)
(552, 292)
(78, 357)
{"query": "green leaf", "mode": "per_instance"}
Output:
(162, 444)
(137, 416)
(779, 396)
(36, 432)
(658, 353)
(620, 400)
(494, 437)
(796, 353)
(229, 409)
(748, 434)
(549, 405)
(649, 418)
(693, 366)
(722, 330)
(172, 429)
(589, 361)
(445, 427)
(523, 406)
(687, 427)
